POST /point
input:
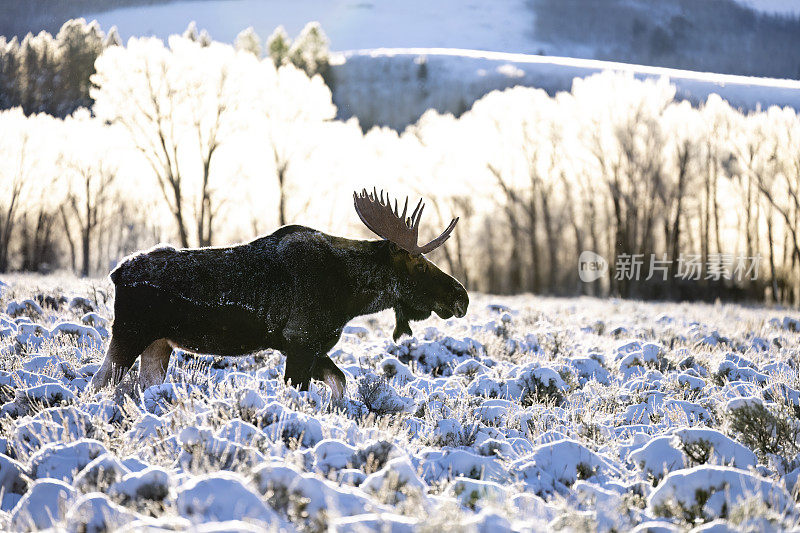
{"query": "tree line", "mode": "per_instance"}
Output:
(200, 143)
(47, 74)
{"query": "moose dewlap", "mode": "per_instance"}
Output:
(293, 291)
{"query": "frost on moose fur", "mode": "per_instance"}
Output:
(519, 417)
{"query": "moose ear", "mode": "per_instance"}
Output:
(401, 325)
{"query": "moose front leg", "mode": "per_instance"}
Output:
(298, 368)
(122, 353)
(303, 365)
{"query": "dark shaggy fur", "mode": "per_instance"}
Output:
(293, 291)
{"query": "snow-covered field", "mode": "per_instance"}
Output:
(529, 414)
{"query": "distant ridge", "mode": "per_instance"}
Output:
(394, 86)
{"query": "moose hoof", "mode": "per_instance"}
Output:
(337, 385)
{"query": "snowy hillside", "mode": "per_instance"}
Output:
(781, 7)
(530, 414)
(395, 87)
(502, 25)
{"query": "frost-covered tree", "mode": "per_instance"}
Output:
(525, 166)
(51, 75)
(249, 41)
(778, 181)
(79, 44)
(9, 73)
(747, 143)
(27, 166)
(683, 129)
(309, 51)
(716, 155)
(199, 36)
(295, 109)
(113, 38)
(278, 45)
(90, 182)
(37, 72)
(27, 196)
(179, 105)
(622, 131)
(14, 178)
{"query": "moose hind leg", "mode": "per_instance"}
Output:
(326, 371)
(154, 363)
(119, 359)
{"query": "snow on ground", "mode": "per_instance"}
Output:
(530, 414)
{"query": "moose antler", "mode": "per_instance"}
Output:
(377, 214)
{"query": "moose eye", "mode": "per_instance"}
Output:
(420, 267)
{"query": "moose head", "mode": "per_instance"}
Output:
(422, 288)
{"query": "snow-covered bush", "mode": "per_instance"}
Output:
(64, 461)
(378, 395)
(220, 497)
(765, 429)
(540, 385)
(45, 503)
(708, 492)
(150, 483)
(95, 513)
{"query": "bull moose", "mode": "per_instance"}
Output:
(293, 290)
